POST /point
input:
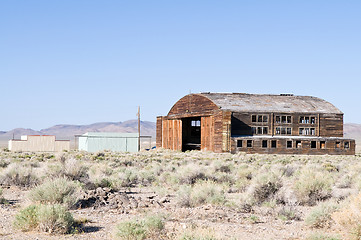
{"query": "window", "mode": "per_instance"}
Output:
(249, 143)
(278, 130)
(338, 145)
(302, 119)
(289, 131)
(259, 130)
(322, 144)
(289, 119)
(283, 119)
(239, 143)
(264, 143)
(307, 120)
(313, 144)
(195, 123)
(298, 144)
(307, 131)
(259, 118)
(273, 143)
(283, 131)
(278, 119)
(289, 144)
(254, 118)
(313, 120)
(265, 130)
(347, 145)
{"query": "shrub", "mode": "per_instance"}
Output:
(27, 219)
(45, 218)
(322, 236)
(19, 175)
(288, 213)
(321, 215)
(150, 227)
(312, 186)
(201, 193)
(54, 219)
(264, 187)
(349, 218)
(60, 190)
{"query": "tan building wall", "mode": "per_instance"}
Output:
(34, 143)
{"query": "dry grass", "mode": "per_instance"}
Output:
(241, 182)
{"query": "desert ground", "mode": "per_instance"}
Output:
(163, 194)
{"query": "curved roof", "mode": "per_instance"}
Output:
(284, 103)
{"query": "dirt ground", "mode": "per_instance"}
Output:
(222, 222)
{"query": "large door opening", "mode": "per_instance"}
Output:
(191, 133)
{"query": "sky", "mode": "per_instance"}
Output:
(87, 61)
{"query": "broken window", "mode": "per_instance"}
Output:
(289, 131)
(278, 119)
(284, 119)
(298, 144)
(289, 119)
(239, 143)
(347, 145)
(313, 144)
(283, 131)
(307, 120)
(302, 119)
(313, 132)
(313, 120)
(264, 143)
(273, 143)
(249, 143)
(278, 130)
(322, 144)
(338, 145)
(260, 118)
(254, 118)
(265, 118)
(265, 130)
(259, 130)
(254, 130)
(289, 144)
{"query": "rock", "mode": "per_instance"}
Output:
(164, 200)
(99, 191)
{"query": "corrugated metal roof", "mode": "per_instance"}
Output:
(285, 103)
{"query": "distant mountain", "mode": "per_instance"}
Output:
(66, 131)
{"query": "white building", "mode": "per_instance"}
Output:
(39, 143)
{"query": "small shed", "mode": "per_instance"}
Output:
(100, 141)
(39, 143)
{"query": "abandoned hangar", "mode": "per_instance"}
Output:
(254, 123)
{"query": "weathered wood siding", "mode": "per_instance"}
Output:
(192, 105)
(172, 134)
(159, 127)
(281, 146)
(207, 133)
(331, 125)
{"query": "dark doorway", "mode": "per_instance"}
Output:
(191, 132)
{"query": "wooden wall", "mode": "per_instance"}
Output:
(281, 147)
(192, 105)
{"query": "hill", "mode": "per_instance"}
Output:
(66, 131)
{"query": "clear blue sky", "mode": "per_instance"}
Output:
(84, 61)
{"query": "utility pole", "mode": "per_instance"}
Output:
(138, 128)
